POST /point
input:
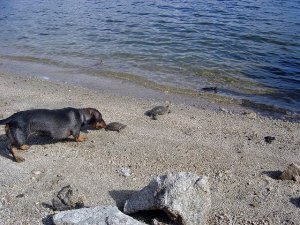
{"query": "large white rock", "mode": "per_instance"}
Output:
(100, 215)
(185, 197)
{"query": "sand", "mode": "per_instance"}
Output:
(227, 147)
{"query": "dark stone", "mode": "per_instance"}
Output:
(210, 89)
(20, 196)
(269, 139)
(66, 199)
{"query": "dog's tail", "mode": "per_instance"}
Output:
(5, 121)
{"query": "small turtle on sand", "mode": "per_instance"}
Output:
(115, 126)
(158, 110)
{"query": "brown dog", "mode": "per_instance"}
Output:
(58, 124)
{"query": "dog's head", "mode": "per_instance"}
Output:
(94, 118)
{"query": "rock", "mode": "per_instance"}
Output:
(124, 171)
(156, 222)
(291, 173)
(222, 219)
(269, 139)
(100, 215)
(250, 115)
(210, 89)
(67, 198)
(224, 110)
(185, 197)
(36, 172)
(2, 204)
(20, 196)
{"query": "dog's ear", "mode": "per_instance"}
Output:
(95, 114)
(96, 119)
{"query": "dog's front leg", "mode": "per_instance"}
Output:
(13, 150)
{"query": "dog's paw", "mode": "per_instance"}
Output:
(24, 147)
(19, 159)
(81, 138)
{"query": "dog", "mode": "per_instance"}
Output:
(59, 124)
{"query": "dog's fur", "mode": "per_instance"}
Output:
(58, 124)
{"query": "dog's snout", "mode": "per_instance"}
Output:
(101, 124)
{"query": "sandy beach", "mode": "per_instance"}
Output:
(227, 147)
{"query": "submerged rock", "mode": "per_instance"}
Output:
(185, 197)
(291, 173)
(210, 89)
(100, 215)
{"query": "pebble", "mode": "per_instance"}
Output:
(250, 115)
(124, 171)
(156, 222)
(224, 110)
(254, 205)
(36, 172)
(269, 139)
(2, 205)
(20, 196)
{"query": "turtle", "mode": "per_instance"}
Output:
(158, 110)
(115, 126)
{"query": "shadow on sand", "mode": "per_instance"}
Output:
(34, 140)
(120, 197)
(273, 174)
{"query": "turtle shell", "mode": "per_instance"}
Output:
(115, 126)
(159, 110)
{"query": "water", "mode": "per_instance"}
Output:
(250, 49)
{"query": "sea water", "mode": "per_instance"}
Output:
(249, 49)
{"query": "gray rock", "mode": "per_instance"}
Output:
(291, 173)
(67, 198)
(185, 197)
(125, 171)
(224, 110)
(2, 206)
(100, 215)
(3, 202)
(156, 222)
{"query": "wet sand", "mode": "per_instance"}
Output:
(227, 147)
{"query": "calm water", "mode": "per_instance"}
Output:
(249, 49)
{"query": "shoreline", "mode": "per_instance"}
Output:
(141, 88)
(228, 148)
